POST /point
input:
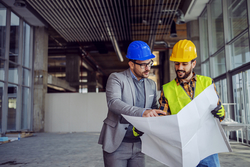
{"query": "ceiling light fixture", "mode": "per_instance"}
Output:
(173, 33)
(178, 13)
(180, 17)
(20, 3)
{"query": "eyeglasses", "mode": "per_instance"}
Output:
(144, 65)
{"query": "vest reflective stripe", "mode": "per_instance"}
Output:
(177, 97)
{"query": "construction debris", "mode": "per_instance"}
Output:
(4, 140)
(13, 136)
(22, 134)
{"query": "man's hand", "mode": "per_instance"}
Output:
(136, 132)
(218, 113)
(153, 113)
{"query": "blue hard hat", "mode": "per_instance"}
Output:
(139, 50)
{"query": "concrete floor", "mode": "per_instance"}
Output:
(82, 150)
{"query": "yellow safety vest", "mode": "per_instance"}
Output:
(178, 98)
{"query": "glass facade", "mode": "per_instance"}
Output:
(15, 72)
(1, 102)
(14, 38)
(204, 38)
(1, 69)
(240, 51)
(247, 99)
(206, 68)
(219, 63)
(221, 87)
(217, 25)
(24, 107)
(2, 29)
(26, 47)
(228, 51)
(224, 94)
(241, 99)
(26, 77)
(237, 17)
(12, 104)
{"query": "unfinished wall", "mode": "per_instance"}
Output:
(75, 112)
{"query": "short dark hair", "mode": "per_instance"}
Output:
(193, 60)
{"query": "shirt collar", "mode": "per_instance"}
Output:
(134, 77)
(178, 82)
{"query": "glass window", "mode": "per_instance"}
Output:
(13, 73)
(24, 112)
(217, 25)
(240, 51)
(26, 77)
(204, 35)
(26, 45)
(17, 67)
(206, 68)
(219, 63)
(2, 30)
(224, 98)
(247, 83)
(1, 103)
(241, 84)
(2, 69)
(218, 88)
(221, 88)
(237, 15)
(238, 98)
(14, 38)
(12, 102)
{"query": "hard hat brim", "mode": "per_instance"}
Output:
(180, 59)
(143, 58)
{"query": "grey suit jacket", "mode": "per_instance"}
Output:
(121, 98)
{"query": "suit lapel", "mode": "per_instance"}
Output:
(146, 91)
(131, 83)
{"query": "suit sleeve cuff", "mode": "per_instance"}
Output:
(143, 112)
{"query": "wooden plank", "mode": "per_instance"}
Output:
(3, 142)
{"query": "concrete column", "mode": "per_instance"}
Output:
(193, 35)
(40, 77)
(92, 81)
(73, 70)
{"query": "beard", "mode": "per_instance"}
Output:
(142, 74)
(187, 73)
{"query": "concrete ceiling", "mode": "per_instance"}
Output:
(194, 9)
(100, 30)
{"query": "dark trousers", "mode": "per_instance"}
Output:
(127, 155)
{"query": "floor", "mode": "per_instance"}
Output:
(81, 149)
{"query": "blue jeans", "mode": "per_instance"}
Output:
(210, 161)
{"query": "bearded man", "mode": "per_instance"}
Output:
(185, 87)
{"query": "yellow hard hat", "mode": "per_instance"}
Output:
(183, 51)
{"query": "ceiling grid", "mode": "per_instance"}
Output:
(100, 22)
(63, 11)
(83, 27)
(48, 18)
(74, 18)
(63, 21)
(107, 20)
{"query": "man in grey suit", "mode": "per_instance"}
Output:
(130, 93)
